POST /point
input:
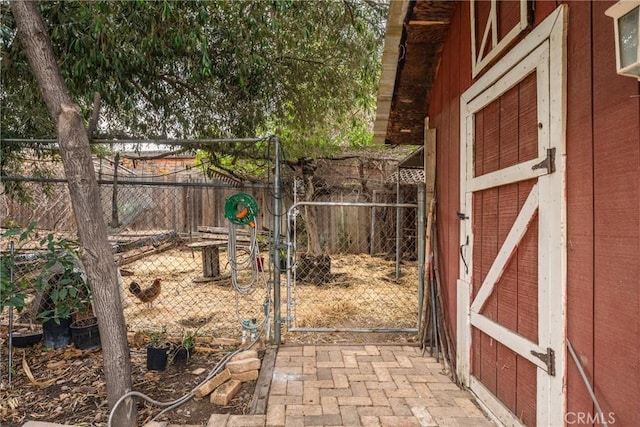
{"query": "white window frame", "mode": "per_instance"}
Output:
(478, 59)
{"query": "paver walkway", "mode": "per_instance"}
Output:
(359, 385)
(355, 385)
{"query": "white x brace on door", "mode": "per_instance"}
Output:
(542, 54)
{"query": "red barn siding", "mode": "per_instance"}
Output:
(603, 205)
(616, 291)
(454, 78)
(580, 256)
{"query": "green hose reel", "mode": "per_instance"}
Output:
(241, 209)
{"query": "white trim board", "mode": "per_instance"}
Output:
(479, 60)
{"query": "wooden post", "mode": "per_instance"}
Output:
(210, 261)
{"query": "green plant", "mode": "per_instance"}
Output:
(12, 290)
(189, 339)
(158, 339)
(61, 283)
(186, 345)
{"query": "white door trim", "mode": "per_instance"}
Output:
(543, 50)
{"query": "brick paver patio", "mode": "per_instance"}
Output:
(354, 385)
(359, 385)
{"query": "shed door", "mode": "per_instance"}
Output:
(513, 259)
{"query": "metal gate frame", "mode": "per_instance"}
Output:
(292, 213)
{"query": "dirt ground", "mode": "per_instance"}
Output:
(67, 386)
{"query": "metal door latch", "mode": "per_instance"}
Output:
(549, 359)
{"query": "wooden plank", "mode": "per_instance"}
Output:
(489, 237)
(221, 230)
(170, 236)
(263, 385)
(207, 243)
(461, 65)
(507, 288)
(526, 395)
(527, 302)
(477, 148)
(509, 175)
(515, 342)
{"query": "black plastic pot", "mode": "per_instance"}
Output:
(85, 334)
(181, 356)
(25, 339)
(56, 335)
(157, 358)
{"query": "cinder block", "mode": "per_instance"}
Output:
(199, 371)
(246, 376)
(211, 385)
(217, 420)
(223, 394)
(247, 354)
(243, 365)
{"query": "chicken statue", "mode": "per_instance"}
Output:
(147, 295)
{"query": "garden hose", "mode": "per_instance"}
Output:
(241, 209)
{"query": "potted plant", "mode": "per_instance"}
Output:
(13, 291)
(158, 350)
(85, 333)
(181, 353)
(63, 290)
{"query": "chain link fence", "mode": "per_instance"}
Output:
(344, 266)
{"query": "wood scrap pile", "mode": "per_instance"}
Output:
(221, 234)
(131, 248)
(241, 368)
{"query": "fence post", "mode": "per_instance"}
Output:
(398, 226)
(277, 214)
(421, 251)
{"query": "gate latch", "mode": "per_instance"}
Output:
(549, 163)
(549, 359)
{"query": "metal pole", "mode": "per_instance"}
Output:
(421, 250)
(161, 141)
(277, 213)
(592, 394)
(398, 226)
(133, 182)
(11, 278)
(372, 237)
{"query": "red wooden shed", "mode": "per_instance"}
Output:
(536, 141)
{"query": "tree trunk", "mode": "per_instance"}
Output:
(96, 252)
(311, 221)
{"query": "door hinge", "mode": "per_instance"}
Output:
(549, 163)
(549, 359)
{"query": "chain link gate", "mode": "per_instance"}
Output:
(348, 269)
